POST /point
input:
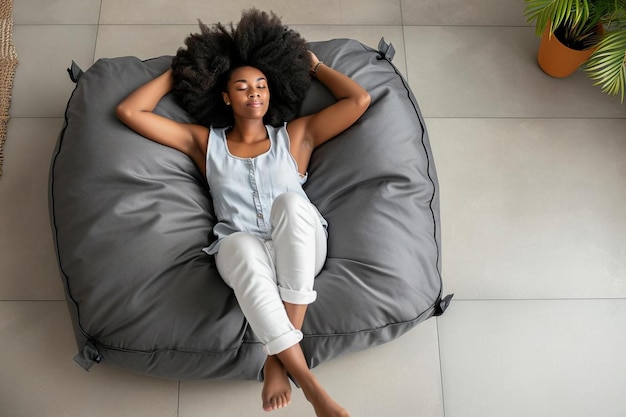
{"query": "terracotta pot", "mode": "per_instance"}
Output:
(558, 60)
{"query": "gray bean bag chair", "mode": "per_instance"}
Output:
(130, 218)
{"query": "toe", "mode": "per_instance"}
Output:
(267, 406)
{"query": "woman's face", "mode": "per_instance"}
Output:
(247, 93)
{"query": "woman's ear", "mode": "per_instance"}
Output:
(226, 99)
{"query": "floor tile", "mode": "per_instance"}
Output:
(322, 12)
(532, 208)
(371, 12)
(492, 72)
(84, 12)
(534, 358)
(39, 377)
(463, 12)
(42, 86)
(29, 267)
(397, 379)
(167, 12)
(142, 41)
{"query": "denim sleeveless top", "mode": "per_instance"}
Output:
(243, 189)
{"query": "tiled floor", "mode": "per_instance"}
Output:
(533, 179)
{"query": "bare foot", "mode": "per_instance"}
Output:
(276, 386)
(323, 404)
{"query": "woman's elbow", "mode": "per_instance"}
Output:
(123, 112)
(363, 100)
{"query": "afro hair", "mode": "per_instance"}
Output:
(202, 69)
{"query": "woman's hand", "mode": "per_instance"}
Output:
(315, 63)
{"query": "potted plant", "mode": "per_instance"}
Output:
(590, 32)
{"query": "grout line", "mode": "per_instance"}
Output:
(456, 300)
(406, 58)
(525, 118)
(474, 300)
(95, 45)
(364, 24)
(443, 394)
(55, 24)
(178, 403)
(195, 23)
(518, 118)
(433, 117)
(36, 117)
(100, 12)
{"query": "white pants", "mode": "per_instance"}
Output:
(265, 273)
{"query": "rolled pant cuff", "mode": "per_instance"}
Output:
(297, 297)
(283, 342)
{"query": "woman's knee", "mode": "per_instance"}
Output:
(238, 243)
(289, 199)
(240, 256)
(293, 205)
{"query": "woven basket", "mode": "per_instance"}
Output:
(8, 63)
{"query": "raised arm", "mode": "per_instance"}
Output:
(309, 132)
(137, 112)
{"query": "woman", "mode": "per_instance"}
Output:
(245, 86)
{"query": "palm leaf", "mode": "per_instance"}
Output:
(607, 65)
(546, 13)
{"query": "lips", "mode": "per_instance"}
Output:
(255, 104)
